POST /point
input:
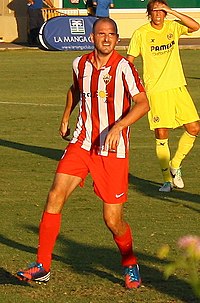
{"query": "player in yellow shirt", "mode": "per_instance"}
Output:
(170, 103)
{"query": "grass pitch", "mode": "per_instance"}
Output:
(86, 265)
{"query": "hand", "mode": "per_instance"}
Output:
(64, 130)
(163, 7)
(112, 138)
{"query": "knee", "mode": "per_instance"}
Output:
(194, 129)
(161, 133)
(55, 192)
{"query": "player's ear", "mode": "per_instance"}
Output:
(92, 37)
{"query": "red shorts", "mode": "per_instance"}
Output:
(109, 174)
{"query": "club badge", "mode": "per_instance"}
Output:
(169, 36)
(107, 78)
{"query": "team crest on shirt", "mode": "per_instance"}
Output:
(169, 36)
(107, 78)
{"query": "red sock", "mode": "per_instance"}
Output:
(124, 244)
(48, 232)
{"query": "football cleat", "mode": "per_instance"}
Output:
(176, 177)
(35, 272)
(167, 187)
(132, 276)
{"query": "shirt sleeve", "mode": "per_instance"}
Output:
(75, 71)
(133, 81)
(180, 28)
(134, 48)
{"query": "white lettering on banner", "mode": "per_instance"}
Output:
(80, 39)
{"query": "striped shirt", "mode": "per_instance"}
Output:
(105, 98)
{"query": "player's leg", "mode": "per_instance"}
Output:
(110, 175)
(49, 228)
(163, 156)
(186, 115)
(70, 172)
(61, 189)
(185, 144)
(162, 118)
(113, 218)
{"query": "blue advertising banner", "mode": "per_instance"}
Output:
(67, 33)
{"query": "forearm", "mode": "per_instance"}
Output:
(137, 112)
(71, 102)
(186, 20)
(68, 106)
(140, 108)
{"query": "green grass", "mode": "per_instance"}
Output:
(86, 266)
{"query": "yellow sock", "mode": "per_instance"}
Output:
(163, 155)
(185, 144)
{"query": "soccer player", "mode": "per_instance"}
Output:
(170, 103)
(105, 83)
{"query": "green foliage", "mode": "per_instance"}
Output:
(188, 259)
(86, 264)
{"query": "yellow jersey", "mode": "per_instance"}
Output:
(162, 68)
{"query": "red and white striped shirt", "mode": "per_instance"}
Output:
(106, 96)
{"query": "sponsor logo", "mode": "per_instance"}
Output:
(156, 119)
(119, 195)
(102, 94)
(87, 95)
(74, 39)
(77, 26)
(163, 47)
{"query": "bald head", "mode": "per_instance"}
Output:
(104, 20)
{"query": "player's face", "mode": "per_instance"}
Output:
(157, 16)
(104, 37)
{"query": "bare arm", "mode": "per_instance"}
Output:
(140, 108)
(186, 20)
(72, 100)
